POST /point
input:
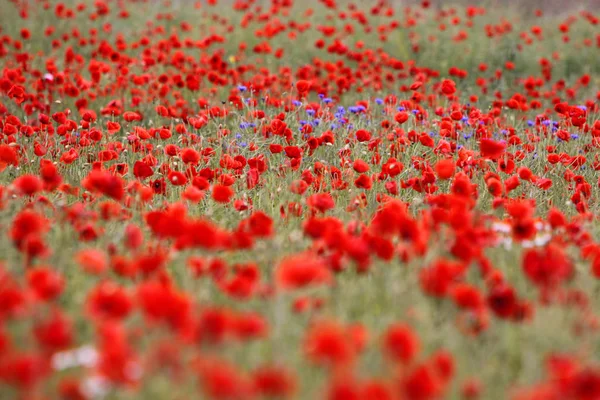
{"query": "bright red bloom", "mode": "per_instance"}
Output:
(222, 193)
(272, 381)
(45, 282)
(467, 296)
(301, 270)
(221, 380)
(108, 300)
(141, 170)
(327, 343)
(105, 183)
(303, 86)
(177, 178)
(400, 343)
(502, 299)
(320, 201)
(437, 279)
(445, 169)
(421, 384)
(8, 155)
(491, 149)
(92, 261)
(54, 333)
(28, 185)
(448, 87)
(547, 267)
(27, 224)
(23, 370)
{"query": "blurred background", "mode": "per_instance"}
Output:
(528, 6)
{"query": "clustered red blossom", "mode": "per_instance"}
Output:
(125, 143)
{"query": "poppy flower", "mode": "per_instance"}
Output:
(222, 193)
(363, 135)
(320, 201)
(105, 183)
(46, 283)
(28, 185)
(92, 261)
(27, 223)
(55, 332)
(448, 87)
(301, 270)
(108, 300)
(133, 236)
(274, 381)
(23, 370)
(141, 170)
(400, 343)
(421, 384)
(221, 380)
(491, 149)
(303, 86)
(547, 267)
(8, 155)
(327, 343)
(177, 178)
(502, 300)
(445, 169)
(437, 279)
(363, 182)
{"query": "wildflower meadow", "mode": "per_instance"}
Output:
(244, 199)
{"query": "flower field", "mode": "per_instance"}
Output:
(298, 200)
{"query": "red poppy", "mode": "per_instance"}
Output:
(92, 261)
(320, 201)
(445, 169)
(104, 182)
(141, 170)
(448, 87)
(108, 300)
(8, 155)
(303, 86)
(421, 384)
(222, 193)
(400, 343)
(491, 149)
(28, 185)
(46, 283)
(301, 270)
(327, 343)
(274, 381)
